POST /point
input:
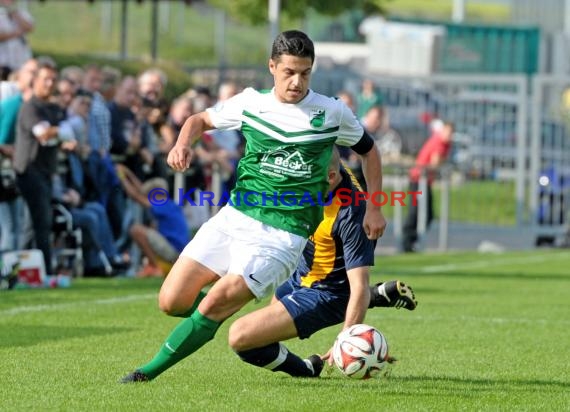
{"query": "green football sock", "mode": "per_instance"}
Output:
(188, 336)
(189, 312)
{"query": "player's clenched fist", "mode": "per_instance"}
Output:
(179, 157)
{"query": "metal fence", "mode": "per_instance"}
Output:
(549, 152)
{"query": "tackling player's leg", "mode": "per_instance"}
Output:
(256, 338)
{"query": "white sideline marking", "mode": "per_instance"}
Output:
(60, 306)
(485, 263)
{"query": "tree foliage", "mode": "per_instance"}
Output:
(255, 11)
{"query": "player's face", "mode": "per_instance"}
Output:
(291, 75)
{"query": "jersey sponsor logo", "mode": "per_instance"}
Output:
(253, 278)
(283, 163)
(317, 117)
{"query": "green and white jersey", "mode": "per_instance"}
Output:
(282, 177)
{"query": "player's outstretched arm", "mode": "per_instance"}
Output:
(358, 301)
(180, 155)
(374, 222)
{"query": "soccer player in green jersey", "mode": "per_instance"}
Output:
(254, 243)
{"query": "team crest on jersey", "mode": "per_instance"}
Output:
(281, 162)
(317, 117)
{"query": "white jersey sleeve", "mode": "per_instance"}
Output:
(227, 115)
(350, 129)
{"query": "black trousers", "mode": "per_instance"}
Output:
(410, 230)
(35, 187)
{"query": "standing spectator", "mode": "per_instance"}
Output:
(14, 217)
(14, 25)
(432, 154)
(10, 106)
(367, 98)
(35, 154)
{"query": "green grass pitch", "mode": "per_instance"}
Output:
(491, 333)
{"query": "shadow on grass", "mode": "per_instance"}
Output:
(439, 384)
(19, 335)
(483, 383)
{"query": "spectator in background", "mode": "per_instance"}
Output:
(111, 78)
(346, 153)
(367, 98)
(373, 121)
(35, 153)
(151, 84)
(222, 149)
(10, 106)
(99, 116)
(180, 110)
(71, 189)
(73, 73)
(14, 25)
(228, 140)
(66, 92)
(125, 129)
(388, 141)
(171, 234)
(14, 215)
(348, 99)
(194, 177)
(100, 167)
(201, 98)
(432, 154)
(151, 116)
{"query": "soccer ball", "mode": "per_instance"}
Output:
(360, 351)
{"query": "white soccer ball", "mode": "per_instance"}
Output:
(360, 351)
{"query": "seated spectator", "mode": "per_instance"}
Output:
(74, 74)
(92, 219)
(168, 239)
(151, 84)
(111, 80)
(66, 90)
(180, 110)
(126, 134)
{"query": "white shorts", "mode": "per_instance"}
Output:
(232, 242)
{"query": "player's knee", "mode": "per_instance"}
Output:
(237, 337)
(168, 305)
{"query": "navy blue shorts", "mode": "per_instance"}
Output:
(312, 309)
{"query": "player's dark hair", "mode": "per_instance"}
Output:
(293, 43)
